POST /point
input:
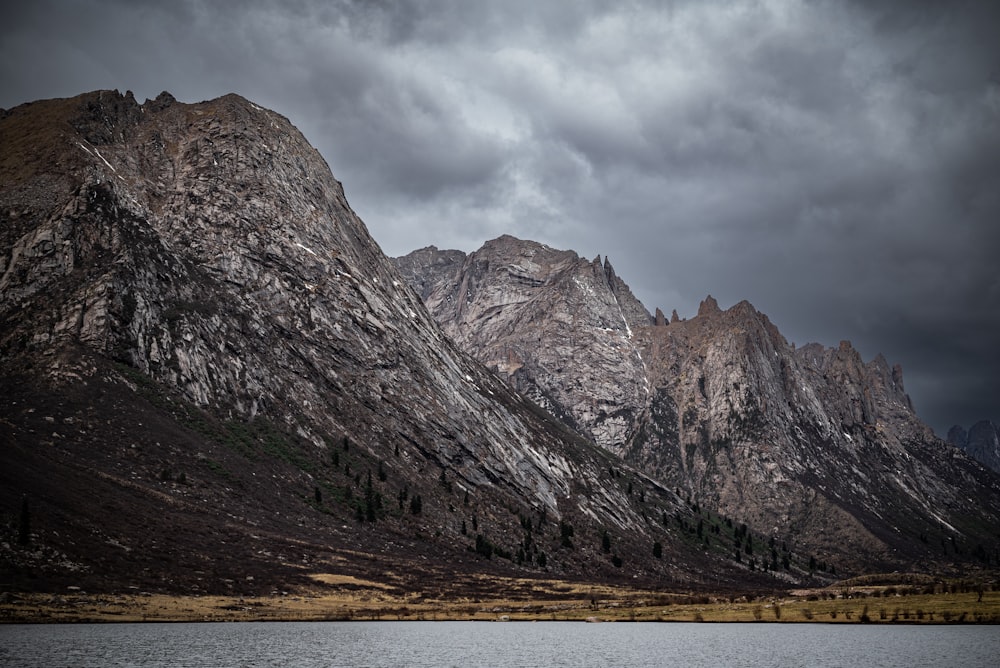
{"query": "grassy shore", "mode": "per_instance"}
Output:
(338, 597)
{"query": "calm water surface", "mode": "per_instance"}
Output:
(314, 644)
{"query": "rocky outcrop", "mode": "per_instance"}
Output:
(811, 445)
(981, 442)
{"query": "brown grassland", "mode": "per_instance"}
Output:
(341, 598)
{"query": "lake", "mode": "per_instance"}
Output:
(438, 644)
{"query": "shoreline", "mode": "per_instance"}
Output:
(846, 607)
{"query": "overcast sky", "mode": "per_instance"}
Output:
(835, 163)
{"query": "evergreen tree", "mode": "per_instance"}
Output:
(369, 499)
(657, 549)
(606, 541)
(24, 523)
(416, 504)
(483, 546)
(565, 533)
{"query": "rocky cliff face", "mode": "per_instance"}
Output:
(810, 445)
(557, 326)
(981, 442)
(197, 267)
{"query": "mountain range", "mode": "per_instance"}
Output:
(214, 380)
(810, 442)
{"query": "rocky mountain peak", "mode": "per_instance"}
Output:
(708, 306)
(510, 294)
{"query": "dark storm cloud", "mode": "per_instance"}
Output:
(837, 164)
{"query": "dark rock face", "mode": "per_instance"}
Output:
(810, 444)
(981, 442)
(200, 264)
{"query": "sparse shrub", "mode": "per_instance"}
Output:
(616, 561)
(807, 613)
(758, 612)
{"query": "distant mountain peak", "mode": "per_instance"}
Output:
(981, 442)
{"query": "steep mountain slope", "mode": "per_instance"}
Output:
(210, 369)
(981, 442)
(810, 445)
